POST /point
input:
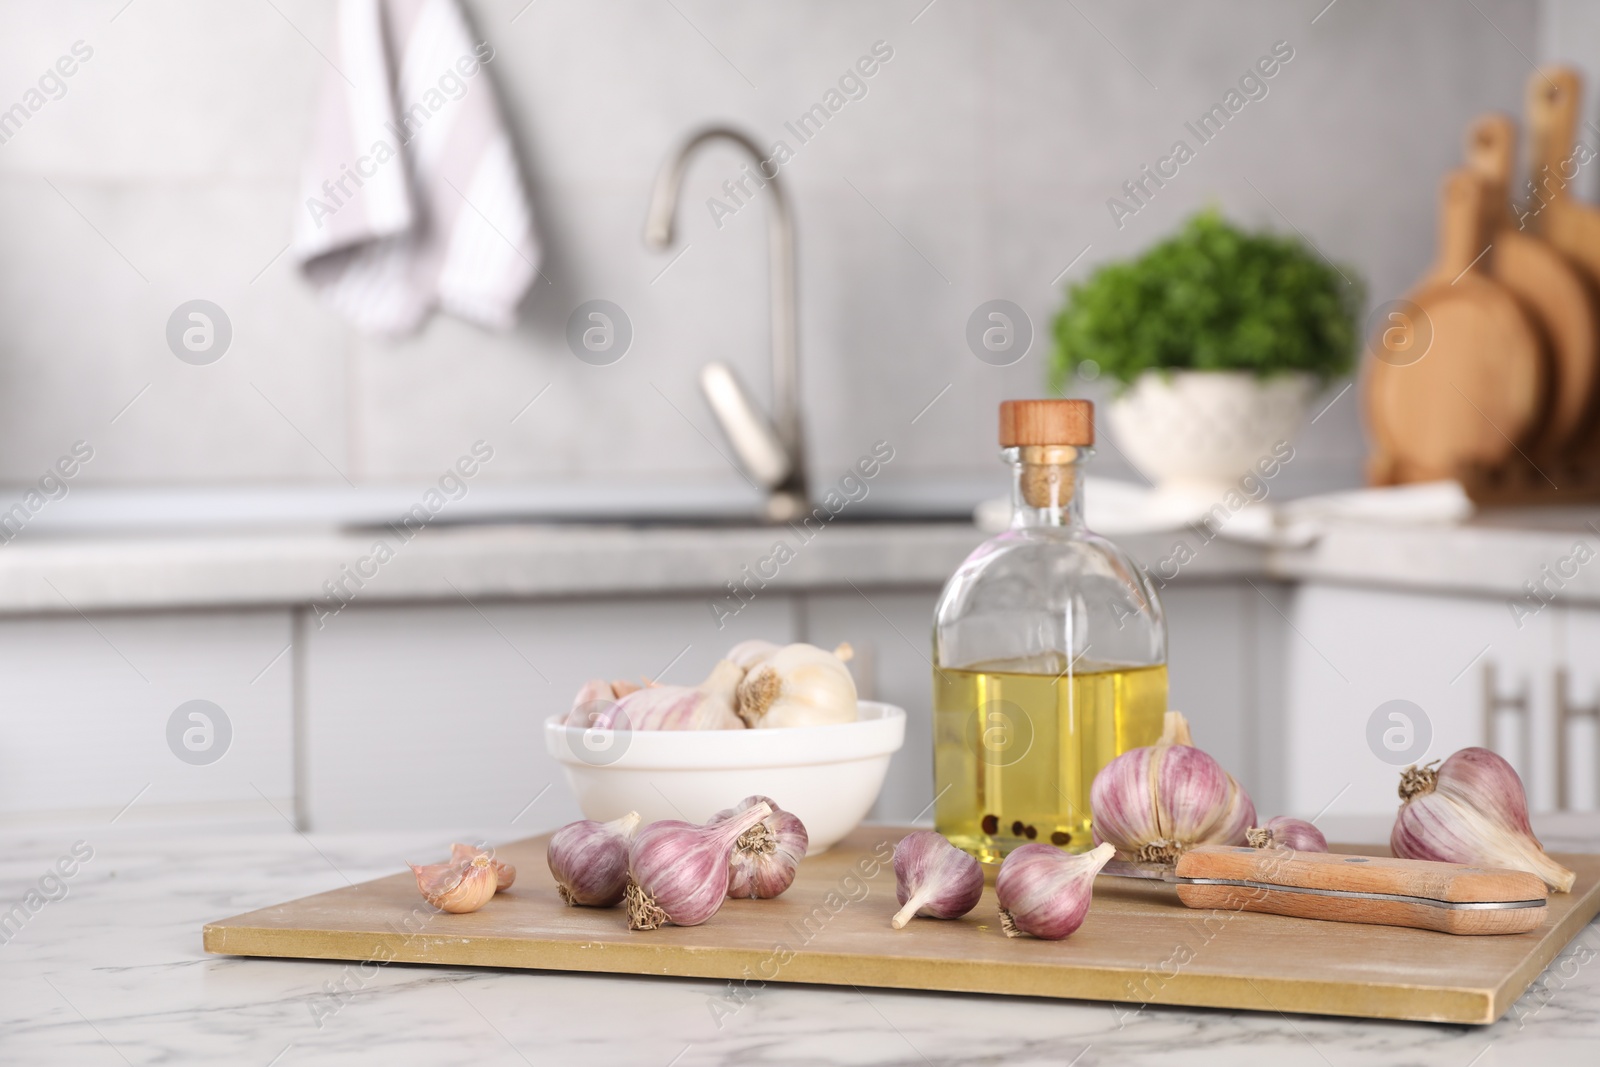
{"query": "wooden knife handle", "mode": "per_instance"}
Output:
(1448, 882)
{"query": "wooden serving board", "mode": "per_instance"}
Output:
(1138, 946)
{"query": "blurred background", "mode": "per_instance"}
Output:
(224, 491)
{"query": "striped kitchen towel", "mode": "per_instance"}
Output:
(413, 199)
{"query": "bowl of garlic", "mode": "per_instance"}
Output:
(774, 720)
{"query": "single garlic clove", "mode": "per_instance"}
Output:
(679, 871)
(589, 860)
(766, 856)
(457, 887)
(505, 874)
(798, 685)
(1153, 803)
(1286, 832)
(1472, 809)
(1046, 892)
(934, 878)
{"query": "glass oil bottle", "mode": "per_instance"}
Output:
(1049, 653)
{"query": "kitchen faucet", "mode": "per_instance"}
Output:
(770, 452)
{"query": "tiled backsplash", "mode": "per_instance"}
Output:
(976, 163)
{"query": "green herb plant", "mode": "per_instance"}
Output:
(1212, 297)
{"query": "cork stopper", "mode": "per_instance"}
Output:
(1049, 433)
(1046, 422)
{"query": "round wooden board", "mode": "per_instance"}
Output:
(1476, 393)
(1561, 302)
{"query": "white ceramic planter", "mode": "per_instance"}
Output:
(1198, 433)
(829, 776)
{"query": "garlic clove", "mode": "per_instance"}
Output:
(1046, 892)
(1286, 832)
(589, 860)
(766, 857)
(934, 878)
(1472, 809)
(457, 887)
(505, 874)
(679, 871)
(1153, 803)
(798, 685)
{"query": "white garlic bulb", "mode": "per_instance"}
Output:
(747, 654)
(798, 685)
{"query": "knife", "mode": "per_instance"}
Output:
(1449, 897)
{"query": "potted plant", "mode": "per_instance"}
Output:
(1216, 340)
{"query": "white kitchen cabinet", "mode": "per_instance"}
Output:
(1351, 649)
(432, 715)
(1577, 742)
(88, 702)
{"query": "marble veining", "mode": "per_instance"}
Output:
(112, 972)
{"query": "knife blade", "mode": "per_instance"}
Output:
(1448, 897)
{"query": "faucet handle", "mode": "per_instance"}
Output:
(750, 433)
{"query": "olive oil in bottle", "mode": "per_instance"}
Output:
(1049, 653)
(1015, 753)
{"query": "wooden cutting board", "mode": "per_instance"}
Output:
(1478, 391)
(1139, 945)
(1547, 283)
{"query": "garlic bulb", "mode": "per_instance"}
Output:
(457, 887)
(505, 874)
(799, 685)
(765, 856)
(934, 878)
(1044, 891)
(1471, 810)
(707, 706)
(589, 860)
(679, 871)
(1153, 803)
(1284, 832)
(747, 654)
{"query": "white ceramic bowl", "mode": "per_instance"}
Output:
(827, 775)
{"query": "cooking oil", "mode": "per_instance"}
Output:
(1016, 752)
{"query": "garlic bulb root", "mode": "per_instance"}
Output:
(798, 685)
(643, 912)
(766, 857)
(1285, 832)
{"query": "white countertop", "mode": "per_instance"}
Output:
(113, 972)
(1495, 555)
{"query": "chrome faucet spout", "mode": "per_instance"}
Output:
(785, 481)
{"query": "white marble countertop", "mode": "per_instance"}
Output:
(112, 972)
(1493, 555)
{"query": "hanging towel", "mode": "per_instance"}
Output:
(412, 197)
